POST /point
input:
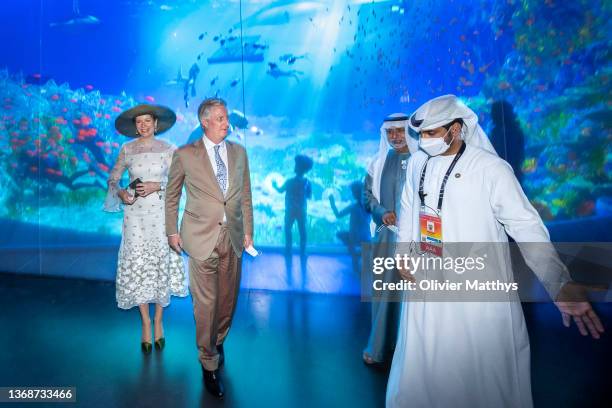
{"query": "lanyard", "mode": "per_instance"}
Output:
(448, 172)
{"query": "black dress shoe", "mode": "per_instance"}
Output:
(221, 354)
(213, 383)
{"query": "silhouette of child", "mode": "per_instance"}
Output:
(359, 223)
(297, 191)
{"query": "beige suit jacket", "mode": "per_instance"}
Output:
(206, 204)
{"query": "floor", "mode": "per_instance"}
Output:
(285, 349)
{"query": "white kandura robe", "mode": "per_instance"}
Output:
(469, 354)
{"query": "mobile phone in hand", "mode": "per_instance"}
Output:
(133, 185)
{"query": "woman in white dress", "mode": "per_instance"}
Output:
(148, 271)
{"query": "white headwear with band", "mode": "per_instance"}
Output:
(443, 110)
(375, 169)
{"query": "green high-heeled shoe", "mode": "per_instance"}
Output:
(160, 343)
(146, 347)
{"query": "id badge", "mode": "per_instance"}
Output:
(431, 233)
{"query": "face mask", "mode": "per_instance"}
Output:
(435, 146)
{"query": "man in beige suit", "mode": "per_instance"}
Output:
(217, 225)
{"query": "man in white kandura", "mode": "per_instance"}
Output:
(472, 353)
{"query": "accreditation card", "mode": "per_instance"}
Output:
(431, 233)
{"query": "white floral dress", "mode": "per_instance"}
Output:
(148, 270)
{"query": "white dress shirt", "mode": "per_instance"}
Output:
(210, 150)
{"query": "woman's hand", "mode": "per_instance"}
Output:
(126, 198)
(146, 188)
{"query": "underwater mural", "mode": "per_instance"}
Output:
(311, 78)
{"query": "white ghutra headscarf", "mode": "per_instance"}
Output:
(443, 110)
(396, 120)
(375, 169)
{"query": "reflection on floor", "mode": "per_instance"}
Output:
(316, 273)
(285, 349)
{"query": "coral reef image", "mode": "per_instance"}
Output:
(305, 78)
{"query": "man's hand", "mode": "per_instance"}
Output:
(126, 198)
(584, 317)
(570, 305)
(248, 241)
(405, 274)
(389, 218)
(176, 243)
(146, 188)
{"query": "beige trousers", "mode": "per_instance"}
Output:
(214, 284)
